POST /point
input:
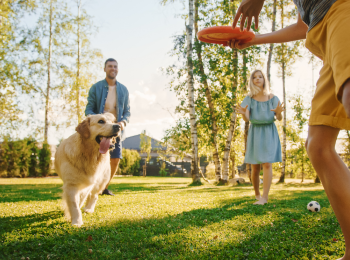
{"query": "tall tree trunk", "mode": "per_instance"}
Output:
(246, 124)
(302, 163)
(48, 78)
(190, 84)
(269, 61)
(214, 128)
(233, 158)
(232, 127)
(284, 142)
(79, 3)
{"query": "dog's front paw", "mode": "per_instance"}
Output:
(77, 223)
(88, 210)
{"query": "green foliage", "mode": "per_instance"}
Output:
(23, 158)
(45, 160)
(210, 171)
(223, 70)
(346, 156)
(47, 64)
(34, 170)
(165, 218)
(145, 144)
(12, 76)
(15, 157)
(163, 171)
(299, 164)
(130, 164)
(83, 63)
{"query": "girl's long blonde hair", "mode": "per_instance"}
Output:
(253, 90)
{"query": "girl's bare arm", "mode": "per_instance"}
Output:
(246, 116)
(279, 117)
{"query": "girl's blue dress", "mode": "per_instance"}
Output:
(263, 142)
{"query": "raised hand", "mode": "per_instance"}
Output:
(235, 44)
(279, 109)
(241, 110)
(248, 9)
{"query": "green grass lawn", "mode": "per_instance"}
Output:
(165, 218)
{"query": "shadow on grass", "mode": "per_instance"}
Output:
(304, 185)
(45, 192)
(8, 224)
(185, 235)
(146, 187)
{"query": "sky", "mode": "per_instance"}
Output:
(138, 34)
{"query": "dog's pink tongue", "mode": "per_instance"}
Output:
(104, 145)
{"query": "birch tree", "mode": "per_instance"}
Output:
(204, 81)
(300, 117)
(285, 56)
(272, 17)
(81, 72)
(12, 77)
(46, 56)
(190, 84)
(216, 73)
(145, 147)
(227, 150)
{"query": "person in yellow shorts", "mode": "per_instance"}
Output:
(324, 24)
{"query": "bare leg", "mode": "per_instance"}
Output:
(345, 96)
(114, 168)
(334, 174)
(256, 179)
(267, 168)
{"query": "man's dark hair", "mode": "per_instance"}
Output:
(110, 59)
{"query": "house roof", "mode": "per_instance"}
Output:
(133, 142)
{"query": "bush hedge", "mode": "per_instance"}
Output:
(130, 164)
(23, 158)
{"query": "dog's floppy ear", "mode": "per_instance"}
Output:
(84, 128)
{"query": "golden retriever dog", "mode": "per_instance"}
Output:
(82, 161)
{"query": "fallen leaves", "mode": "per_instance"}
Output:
(90, 250)
(335, 240)
(294, 220)
(216, 237)
(89, 238)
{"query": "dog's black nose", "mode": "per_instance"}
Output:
(116, 128)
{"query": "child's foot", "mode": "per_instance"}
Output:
(257, 197)
(261, 201)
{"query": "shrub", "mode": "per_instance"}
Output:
(130, 164)
(45, 160)
(23, 158)
(210, 171)
(34, 160)
(163, 170)
(15, 157)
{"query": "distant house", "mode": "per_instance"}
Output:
(158, 148)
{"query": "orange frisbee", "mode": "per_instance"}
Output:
(222, 34)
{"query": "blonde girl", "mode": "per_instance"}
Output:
(261, 108)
